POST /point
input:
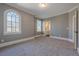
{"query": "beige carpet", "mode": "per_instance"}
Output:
(42, 46)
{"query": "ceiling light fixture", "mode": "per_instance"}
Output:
(43, 5)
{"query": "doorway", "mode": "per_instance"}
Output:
(46, 27)
(75, 29)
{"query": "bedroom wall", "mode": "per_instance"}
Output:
(27, 20)
(59, 25)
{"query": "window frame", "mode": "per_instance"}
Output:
(5, 22)
(37, 27)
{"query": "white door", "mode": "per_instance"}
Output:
(74, 29)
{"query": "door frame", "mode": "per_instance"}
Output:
(75, 29)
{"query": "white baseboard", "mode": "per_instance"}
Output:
(17, 41)
(37, 36)
(67, 39)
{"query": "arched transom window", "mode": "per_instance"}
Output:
(12, 22)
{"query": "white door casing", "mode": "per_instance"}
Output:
(74, 29)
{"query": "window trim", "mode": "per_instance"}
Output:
(36, 26)
(5, 22)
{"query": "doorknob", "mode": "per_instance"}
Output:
(76, 31)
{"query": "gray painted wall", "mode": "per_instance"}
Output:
(59, 25)
(27, 25)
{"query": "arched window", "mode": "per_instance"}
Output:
(12, 22)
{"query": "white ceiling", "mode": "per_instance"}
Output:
(51, 10)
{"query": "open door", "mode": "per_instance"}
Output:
(75, 29)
